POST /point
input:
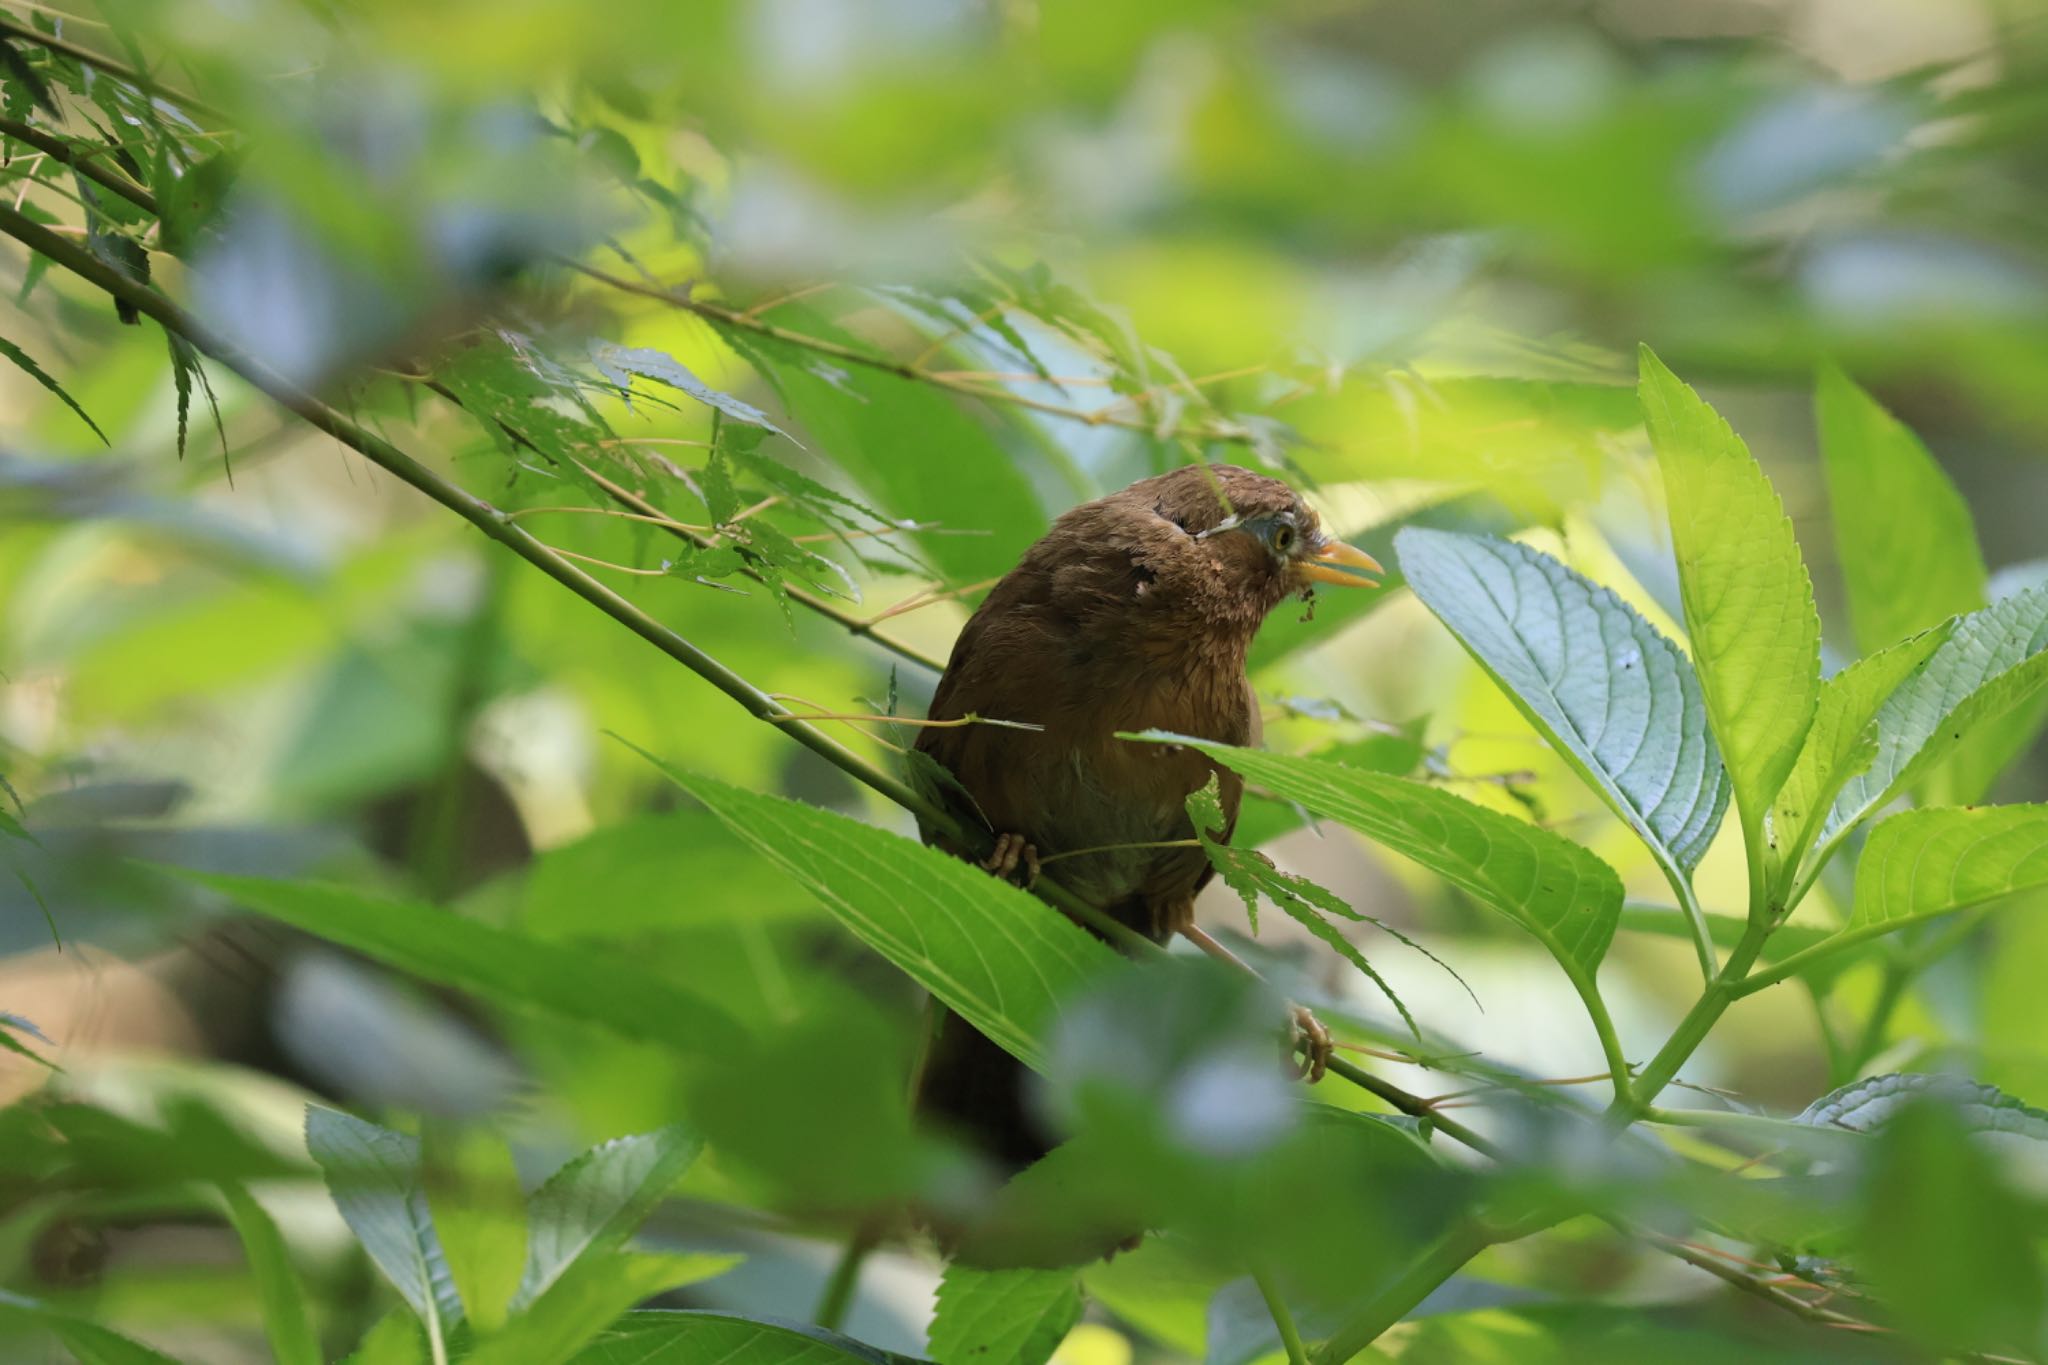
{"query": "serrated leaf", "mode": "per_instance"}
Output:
(1558, 891)
(1001, 959)
(373, 1175)
(279, 1289)
(509, 970)
(597, 1200)
(620, 363)
(1921, 863)
(1992, 661)
(1841, 743)
(1018, 1316)
(36, 372)
(1903, 534)
(1867, 1105)
(1748, 601)
(693, 1337)
(594, 1293)
(1614, 697)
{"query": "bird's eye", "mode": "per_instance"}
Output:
(1283, 537)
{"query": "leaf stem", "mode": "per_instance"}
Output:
(1283, 1319)
(1441, 1261)
(837, 1296)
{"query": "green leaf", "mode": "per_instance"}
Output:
(1001, 959)
(373, 1175)
(36, 372)
(1903, 534)
(479, 1210)
(1921, 863)
(1018, 1316)
(1869, 1104)
(1550, 886)
(91, 1343)
(620, 363)
(1748, 601)
(278, 1287)
(509, 970)
(1992, 661)
(1611, 694)
(594, 1293)
(394, 1339)
(694, 1338)
(597, 1200)
(1841, 744)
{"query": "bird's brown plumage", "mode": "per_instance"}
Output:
(1134, 612)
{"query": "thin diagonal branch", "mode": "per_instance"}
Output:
(148, 85)
(59, 150)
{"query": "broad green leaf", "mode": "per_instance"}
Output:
(1550, 886)
(694, 1338)
(1921, 863)
(646, 872)
(1992, 661)
(1841, 744)
(597, 1200)
(594, 1293)
(1748, 602)
(1016, 1316)
(278, 1286)
(1001, 959)
(36, 372)
(507, 969)
(1903, 534)
(479, 1211)
(1612, 695)
(394, 1339)
(914, 449)
(373, 1175)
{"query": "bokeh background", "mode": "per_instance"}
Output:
(1403, 252)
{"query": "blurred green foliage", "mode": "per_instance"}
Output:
(791, 323)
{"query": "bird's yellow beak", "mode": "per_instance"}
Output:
(1347, 566)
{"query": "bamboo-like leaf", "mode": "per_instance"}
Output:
(1992, 661)
(1841, 743)
(1001, 959)
(1903, 534)
(1613, 696)
(1549, 885)
(36, 372)
(373, 1175)
(1018, 1316)
(1748, 602)
(1922, 863)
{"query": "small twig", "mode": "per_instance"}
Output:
(146, 84)
(927, 597)
(612, 512)
(607, 564)
(1118, 848)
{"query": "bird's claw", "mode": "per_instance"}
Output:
(1013, 855)
(1310, 1040)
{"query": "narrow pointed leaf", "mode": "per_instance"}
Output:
(1842, 742)
(373, 1175)
(1616, 698)
(1903, 534)
(1001, 959)
(1748, 602)
(36, 372)
(279, 1289)
(1922, 863)
(596, 1201)
(1549, 885)
(1991, 662)
(697, 1338)
(1018, 1316)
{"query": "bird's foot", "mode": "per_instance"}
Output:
(1171, 915)
(1308, 1045)
(1014, 859)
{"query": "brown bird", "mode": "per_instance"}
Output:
(1134, 612)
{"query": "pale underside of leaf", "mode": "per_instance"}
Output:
(1991, 661)
(1748, 600)
(373, 1175)
(596, 1200)
(1612, 694)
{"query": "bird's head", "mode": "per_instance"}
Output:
(1252, 538)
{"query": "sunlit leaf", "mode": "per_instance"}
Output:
(588, 1297)
(1000, 958)
(373, 1175)
(1921, 863)
(278, 1286)
(1007, 1315)
(479, 1212)
(1615, 697)
(693, 1338)
(1748, 602)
